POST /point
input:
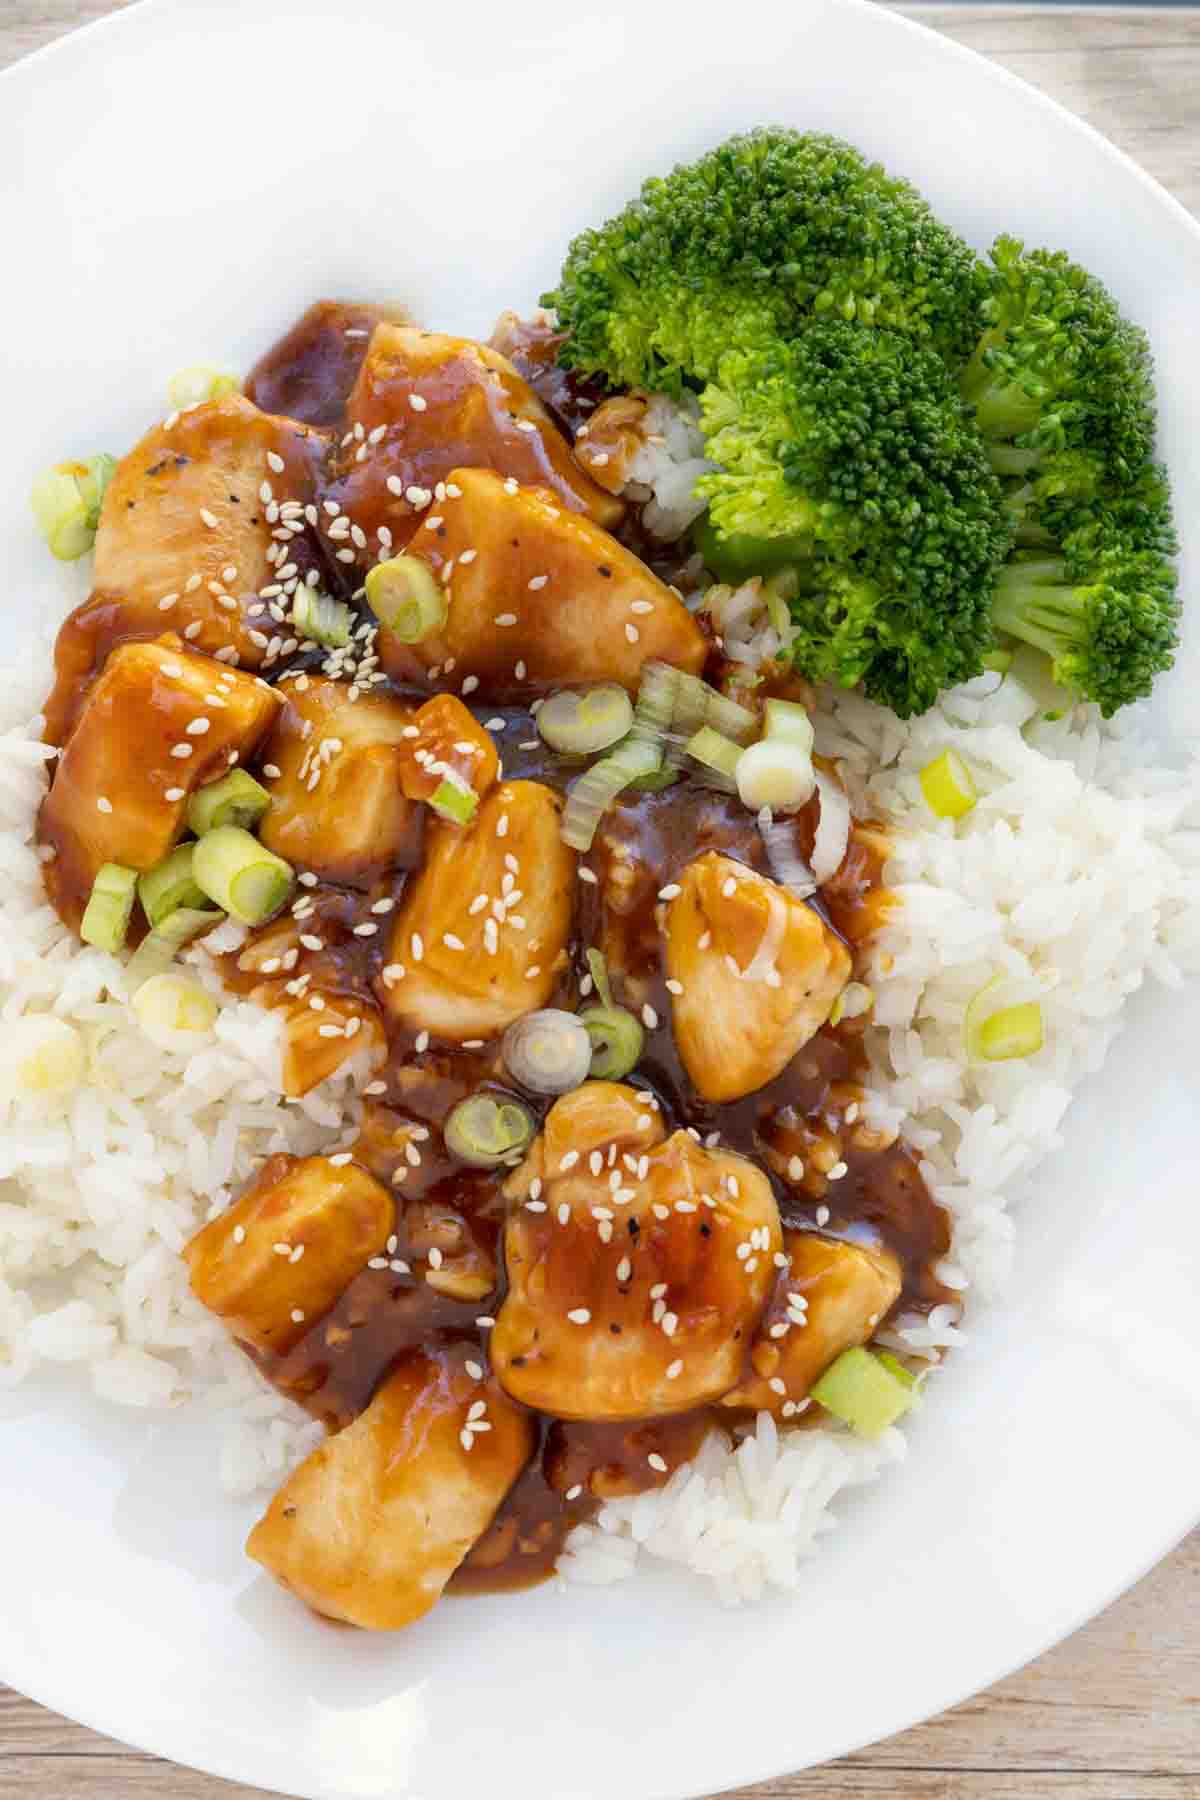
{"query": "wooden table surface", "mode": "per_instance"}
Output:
(1113, 1714)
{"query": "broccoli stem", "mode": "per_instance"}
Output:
(1006, 459)
(1004, 410)
(1030, 604)
(1026, 532)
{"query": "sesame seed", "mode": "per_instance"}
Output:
(435, 1258)
(670, 891)
(417, 402)
(537, 582)
(838, 1170)
(275, 462)
(192, 631)
(642, 606)
(505, 619)
(822, 1215)
(239, 1234)
(470, 684)
(174, 793)
(421, 1042)
(568, 1161)
(182, 751)
(366, 929)
(729, 887)
(519, 671)
(209, 518)
(795, 1168)
(590, 876)
(416, 946)
(579, 1315)
(669, 1322)
(167, 602)
(649, 1018)
(632, 633)
(624, 1269)
(104, 804)
(675, 1369)
(778, 1331)
(466, 1438)
(297, 1316)
(777, 1385)
(199, 727)
(656, 1462)
(330, 1031)
(468, 556)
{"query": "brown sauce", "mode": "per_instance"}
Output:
(808, 1110)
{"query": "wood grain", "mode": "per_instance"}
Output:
(1114, 1713)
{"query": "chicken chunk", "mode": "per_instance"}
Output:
(448, 744)
(159, 723)
(337, 803)
(480, 934)
(539, 596)
(840, 1291)
(638, 1268)
(371, 1527)
(758, 973)
(280, 1256)
(440, 404)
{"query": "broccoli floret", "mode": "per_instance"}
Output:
(1108, 621)
(765, 233)
(1058, 367)
(854, 447)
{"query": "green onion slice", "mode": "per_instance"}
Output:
(110, 907)
(949, 790)
(244, 879)
(454, 802)
(994, 1031)
(171, 884)
(486, 1132)
(321, 619)
(590, 796)
(237, 799)
(66, 503)
(199, 382)
(404, 595)
(159, 948)
(598, 969)
(861, 1390)
(776, 773)
(548, 1051)
(170, 1008)
(585, 721)
(788, 723)
(616, 1038)
(713, 751)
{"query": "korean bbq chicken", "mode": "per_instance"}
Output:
(390, 712)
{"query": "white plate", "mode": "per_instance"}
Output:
(191, 175)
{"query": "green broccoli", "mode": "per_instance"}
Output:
(1058, 367)
(854, 447)
(762, 235)
(1107, 621)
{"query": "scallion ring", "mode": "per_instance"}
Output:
(616, 1038)
(584, 721)
(548, 1051)
(405, 597)
(486, 1131)
(243, 877)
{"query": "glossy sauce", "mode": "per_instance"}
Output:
(383, 1315)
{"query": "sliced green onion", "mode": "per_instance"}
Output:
(404, 596)
(159, 948)
(862, 1392)
(715, 752)
(895, 1367)
(657, 780)
(169, 885)
(998, 661)
(199, 382)
(237, 799)
(458, 804)
(66, 503)
(775, 772)
(854, 1000)
(993, 1032)
(946, 783)
(171, 1007)
(731, 718)
(40, 1055)
(486, 1132)
(243, 878)
(598, 969)
(593, 792)
(110, 907)
(548, 1051)
(658, 692)
(616, 1038)
(583, 722)
(788, 723)
(320, 618)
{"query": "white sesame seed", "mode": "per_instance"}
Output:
(276, 463)
(505, 619)
(838, 1170)
(675, 1369)
(239, 1234)
(657, 1463)
(466, 1438)
(209, 518)
(435, 1258)
(649, 1018)
(642, 606)
(579, 1315)
(822, 1215)
(297, 1316)
(199, 727)
(568, 1161)
(795, 1168)
(416, 946)
(421, 1042)
(632, 633)
(537, 582)
(670, 891)
(778, 1331)
(182, 751)
(174, 793)
(366, 929)
(417, 402)
(470, 684)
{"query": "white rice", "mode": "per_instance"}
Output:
(666, 466)
(1077, 874)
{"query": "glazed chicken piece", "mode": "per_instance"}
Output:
(371, 1527)
(448, 744)
(161, 565)
(425, 405)
(638, 1268)
(159, 723)
(280, 1256)
(318, 1043)
(337, 803)
(832, 1297)
(480, 934)
(758, 973)
(538, 596)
